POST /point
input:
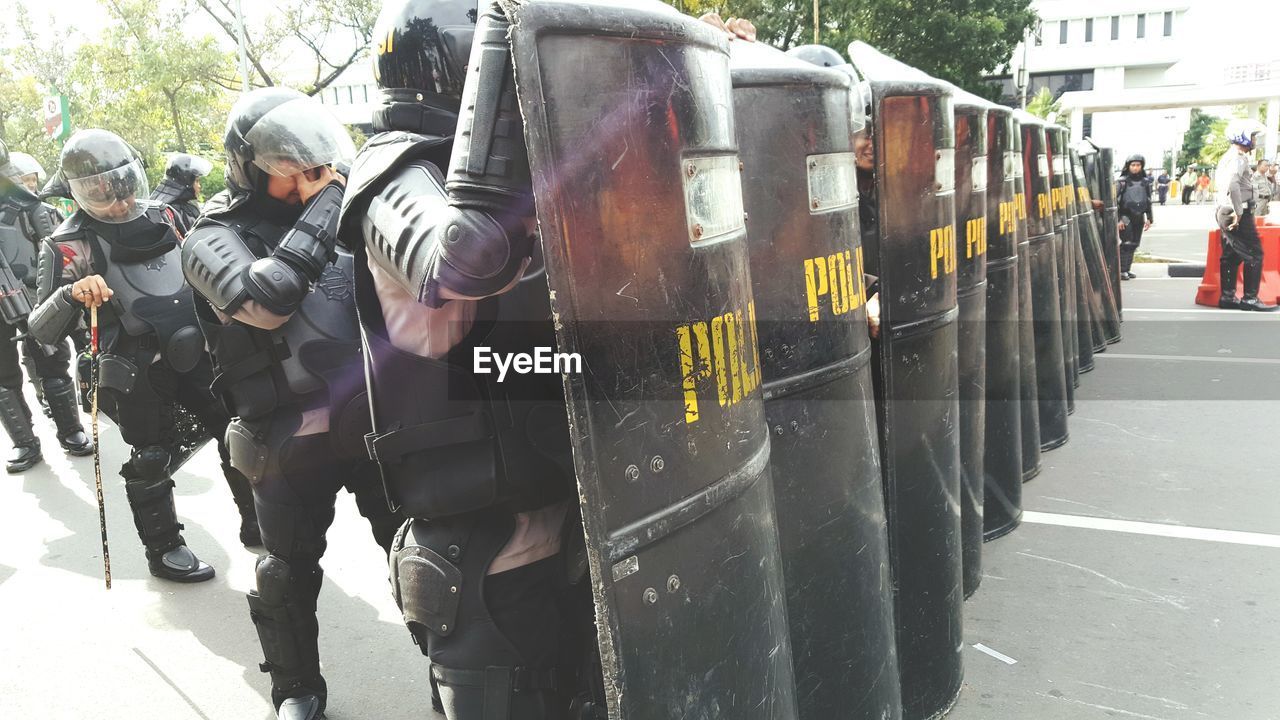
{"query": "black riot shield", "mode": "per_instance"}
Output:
(971, 297)
(910, 244)
(1087, 299)
(1083, 317)
(1095, 258)
(1028, 389)
(1051, 383)
(628, 114)
(795, 136)
(1060, 192)
(1002, 447)
(1111, 223)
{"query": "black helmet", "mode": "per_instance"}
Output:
(421, 61)
(104, 175)
(186, 169)
(1136, 157)
(819, 55)
(56, 187)
(280, 131)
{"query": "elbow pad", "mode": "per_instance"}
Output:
(310, 245)
(276, 285)
(52, 320)
(215, 260)
(476, 255)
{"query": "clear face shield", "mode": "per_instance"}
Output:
(298, 136)
(112, 196)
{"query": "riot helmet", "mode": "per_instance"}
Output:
(279, 131)
(826, 57)
(421, 62)
(1135, 158)
(186, 169)
(1246, 132)
(105, 176)
(26, 169)
(819, 55)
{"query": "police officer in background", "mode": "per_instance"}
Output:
(1235, 215)
(275, 302)
(119, 253)
(24, 223)
(180, 187)
(27, 170)
(1134, 196)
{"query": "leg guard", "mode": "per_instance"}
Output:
(16, 418)
(242, 493)
(61, 396)
(283, 609)
(483, 673)
(150, 492)
(29, 363)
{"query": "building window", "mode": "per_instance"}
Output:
(1062, 32)
(1168, 24)
(1088, 30)
(1088, 125)
(1115, 27)
(1142, 26)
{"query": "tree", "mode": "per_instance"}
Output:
(1193, 142)
(960, 41)
(20, 125)
(335, 33)
(1043, 104)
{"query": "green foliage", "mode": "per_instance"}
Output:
(1215, 142)
(1043, 104)
(1193, 141)
(957, 40)
(21, 126)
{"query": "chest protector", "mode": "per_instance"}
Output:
(17, 245)
(152, 310)
(312, 361)
(448, 440)
(1135, 197)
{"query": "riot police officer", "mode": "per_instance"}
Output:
(275, 302)
(1134, 191)
(482, 468)
(24, 222)
(26, 170)
(180, 187)
(120, 253)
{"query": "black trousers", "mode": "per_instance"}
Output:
(1130, 239)
(47, 366)
(146, 414)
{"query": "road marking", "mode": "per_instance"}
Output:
(171, 683)
(1134, 527)
(1190, 358)
(997, 655)
(1200, 310)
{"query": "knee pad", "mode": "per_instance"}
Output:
(150, 463)
(427, 587)
(272, 575)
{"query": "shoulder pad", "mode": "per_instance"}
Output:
(380, 158)
(222, 203)
(71, 229)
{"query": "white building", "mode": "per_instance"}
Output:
(1129, 71)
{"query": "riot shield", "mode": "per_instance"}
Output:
(1111, 223)
(971, 297)
(1050, 359)
(1089, 296)
(795, 135)
(1002, 447)
(1099, 275)
(1082, 316)
(910, 244)
(1055, 142)
(628, 115)
(1028, 390)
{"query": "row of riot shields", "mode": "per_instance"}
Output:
(783, 515)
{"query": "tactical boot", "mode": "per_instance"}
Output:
(16, 418)
(61, 395)
(283, 609)
(1227, 271)
(242, 492)
(1252, 283)
(150, 493)
(29, 363)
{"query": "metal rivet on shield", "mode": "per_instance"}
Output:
(419, 97)
(813, 164)
(453, 589)
(777, 429)
(673, 583)
(657, 464)
(650, 596)
(697, 230)
(454, 551)
(444, 627)
(741, 166)
(691, 169)
(633, 473)
(816, 204)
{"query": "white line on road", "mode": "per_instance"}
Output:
(997, 655)
(1234, 537)
(1190, 358)
(1200, 310)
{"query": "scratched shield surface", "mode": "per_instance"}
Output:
(628, 118)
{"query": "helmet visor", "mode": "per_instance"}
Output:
(297, 136)
(193, 164)
(113, 196)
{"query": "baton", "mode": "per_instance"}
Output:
(97, 449)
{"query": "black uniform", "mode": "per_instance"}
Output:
(468, 458)
(1134, 193)
(24, 221)
(277, 306)
(177, 187)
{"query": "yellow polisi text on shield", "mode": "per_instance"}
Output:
(975, 238)
(719, 352)
(833, 281)
(942, 251)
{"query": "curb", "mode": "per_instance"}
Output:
(1151, 270)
